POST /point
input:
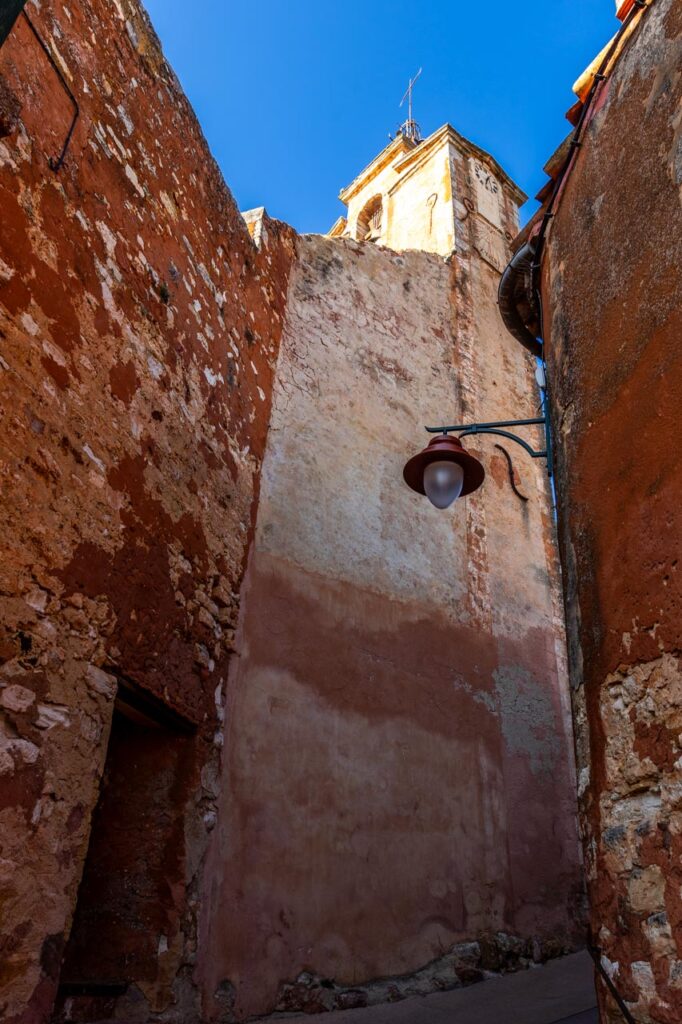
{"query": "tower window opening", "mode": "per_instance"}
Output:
(370, 221)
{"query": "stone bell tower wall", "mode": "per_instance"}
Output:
(396, 777)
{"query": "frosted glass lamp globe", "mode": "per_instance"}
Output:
(443, 482)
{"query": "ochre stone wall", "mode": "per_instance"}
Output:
(613, 299)
(139, 327)
(397, 776)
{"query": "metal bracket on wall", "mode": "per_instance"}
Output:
(56, 165)
(512, 474)
(467, 429)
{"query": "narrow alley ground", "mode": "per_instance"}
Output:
(560, 992)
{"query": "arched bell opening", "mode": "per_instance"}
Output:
(370, 219)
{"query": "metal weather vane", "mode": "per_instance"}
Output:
(410, 129)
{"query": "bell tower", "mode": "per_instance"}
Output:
(418, 194)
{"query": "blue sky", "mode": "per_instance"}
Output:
(296, 96)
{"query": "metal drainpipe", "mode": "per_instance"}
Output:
(515, 283)
(520, 279)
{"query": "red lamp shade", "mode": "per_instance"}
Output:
(444, 448)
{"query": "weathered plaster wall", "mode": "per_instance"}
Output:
(139, 328)
(397, 774)
(613, 297)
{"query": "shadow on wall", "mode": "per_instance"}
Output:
(125, 945)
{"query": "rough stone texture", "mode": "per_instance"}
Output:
(397, 772)
(466, 963)
(558, 992)
(139, 327)
(613, 298)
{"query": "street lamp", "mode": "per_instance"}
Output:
(445, 471)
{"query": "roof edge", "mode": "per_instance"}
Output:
(415, 151)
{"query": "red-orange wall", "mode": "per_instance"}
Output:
(139, 328)
(613, 302)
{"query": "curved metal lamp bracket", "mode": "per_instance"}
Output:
(497, 428)
(505, 433)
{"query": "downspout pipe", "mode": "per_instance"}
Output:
(516, 300)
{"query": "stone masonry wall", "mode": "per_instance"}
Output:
(139, 328)
(397, 778)
(613, 296)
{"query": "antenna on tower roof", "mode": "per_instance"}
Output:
(410, 129)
